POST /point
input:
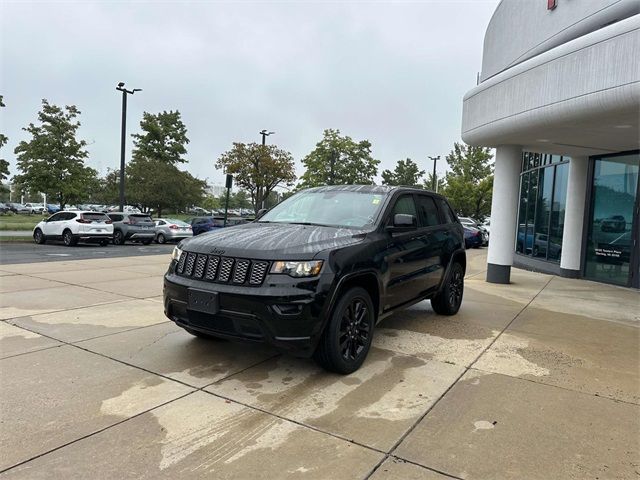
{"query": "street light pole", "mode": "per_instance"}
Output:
(434, 181)
(125, 92)
(264, 134)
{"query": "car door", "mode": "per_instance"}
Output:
(53, 224)
(434, 234)
(404, 257)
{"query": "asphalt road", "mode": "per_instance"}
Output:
(51, 252)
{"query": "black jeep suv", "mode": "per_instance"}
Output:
(315, 274)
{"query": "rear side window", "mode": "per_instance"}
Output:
(447, 212)
(115, 217)
(428, 211)
(95, 217)
(69, 216)
(140, 218)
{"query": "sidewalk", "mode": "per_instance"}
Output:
(538, 379)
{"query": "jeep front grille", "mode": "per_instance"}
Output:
(214, 268)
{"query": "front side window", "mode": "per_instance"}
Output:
(336, 208)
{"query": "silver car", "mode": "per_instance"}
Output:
(170, 229)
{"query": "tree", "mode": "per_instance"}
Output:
(53, 161)
(469, 184)
(164, 137)
(258, 169)
(339, 160)
(4, 165)
(406, 173)
(427, 184)
(153, 179)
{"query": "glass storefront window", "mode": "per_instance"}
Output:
(543, 192)
(611, 224)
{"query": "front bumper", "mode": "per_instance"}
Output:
(284, 312)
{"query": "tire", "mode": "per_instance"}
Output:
(68, 238)
(147, 242)
(203, 335)
(161, 239)
(449, 299)
(347, 337)
(118, 238)
(104, 243)
(39, 237)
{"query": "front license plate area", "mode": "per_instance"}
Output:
(202, 301)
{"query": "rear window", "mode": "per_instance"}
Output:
(140, 218)
(95, 217)
(447, 212)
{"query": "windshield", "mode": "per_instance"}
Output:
(330, 208)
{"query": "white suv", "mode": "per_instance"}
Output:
(72, 227)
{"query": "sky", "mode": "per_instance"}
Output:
(393, 73)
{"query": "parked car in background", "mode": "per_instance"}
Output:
(74, 227)
(19, 208)
(51, 208)
(35, 207)
(199, 211)
(134, 227)
(473, 237)
(614, 224)
(4, 208)
(203, 224)
(172, 230)
(470, 222)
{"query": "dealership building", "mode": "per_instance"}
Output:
(559, 99)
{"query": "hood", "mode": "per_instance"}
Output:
(271, 241)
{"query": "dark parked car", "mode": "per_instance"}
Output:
(135, 227)
(615, 223)
(315, 274)
(4, 208)
(19, 208)
(202, 224)
(473, 237)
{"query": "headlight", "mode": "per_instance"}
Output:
(310, 268)
(175, 255)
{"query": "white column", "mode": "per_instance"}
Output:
(574, 217)
(504, 213)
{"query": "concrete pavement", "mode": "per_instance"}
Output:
(538, 379)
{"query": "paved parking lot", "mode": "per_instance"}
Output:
(29, 252)
(538, 379)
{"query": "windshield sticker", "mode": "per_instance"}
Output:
(376, 200)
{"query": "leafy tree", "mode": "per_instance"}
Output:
(153, 179)
(469, 184)
(108, 192)
(427, 184)
(339, 160)
(406, 173)
(210, 202)
(4, 165)
(164, 137)
(52, 162)
(258, 169)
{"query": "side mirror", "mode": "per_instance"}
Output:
(403, 223)
(261, 213)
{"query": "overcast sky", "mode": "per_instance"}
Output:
(390, 72)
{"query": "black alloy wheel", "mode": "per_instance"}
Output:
(347, 337)
(38, 237)
(67, 238)
(449, 298)
(354, 330)
(118, 238)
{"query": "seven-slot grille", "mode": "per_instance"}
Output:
(214, 268)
